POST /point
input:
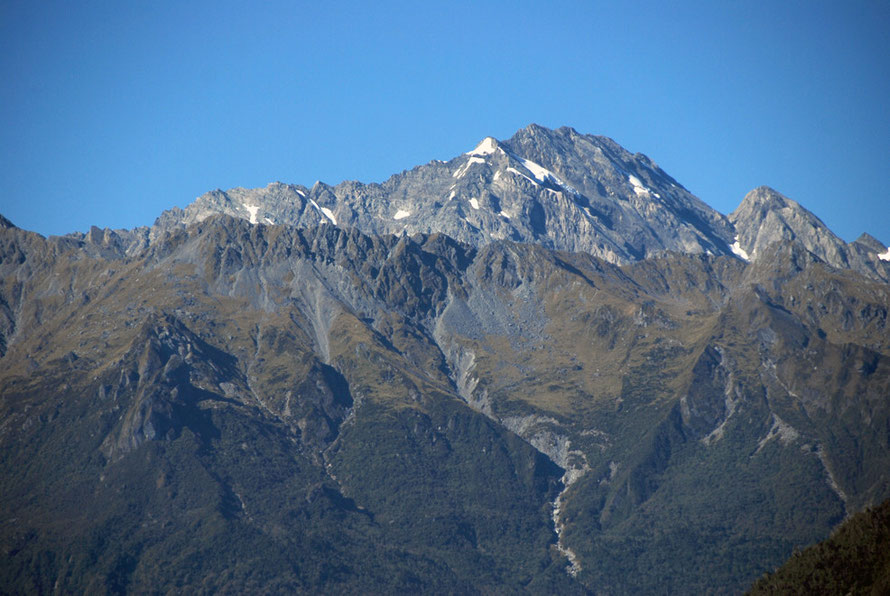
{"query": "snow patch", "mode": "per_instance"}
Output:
(270, 221)
(401, 214)
(738, 251)
(324, 211)
(640, 189)
(488, 146)
(474, 203)
(544, 175)
(885, 256)
(301, 193)
(498, 175)
(540, 172)
(329, 214)
(252, 209)
(504, 215)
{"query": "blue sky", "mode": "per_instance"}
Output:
(111, 112)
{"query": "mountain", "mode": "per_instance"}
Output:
(556, 188)
(212, 404)
(766, 217)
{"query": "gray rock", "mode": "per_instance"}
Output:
(556, 188)
(766, 218)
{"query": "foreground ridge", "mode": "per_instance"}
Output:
(854, 560)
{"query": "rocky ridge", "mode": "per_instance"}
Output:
(557, 188)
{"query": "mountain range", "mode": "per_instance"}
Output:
(542, 366)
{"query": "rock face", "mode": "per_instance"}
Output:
(766, 217)
(556, 188)
(221, 404)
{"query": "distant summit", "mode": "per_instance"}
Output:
(557, 188)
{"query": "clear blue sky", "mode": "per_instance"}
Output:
(111, 112)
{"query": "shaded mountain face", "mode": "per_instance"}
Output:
(542, 366)
(854, 560)
(245, 407)
(242, 426)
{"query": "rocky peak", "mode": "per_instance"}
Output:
(487, 146)
(871, 243)
(765, 199)
(766, 217)
(557, 188)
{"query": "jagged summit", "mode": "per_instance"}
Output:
(871, 244)
(557, 188)
(764, 199)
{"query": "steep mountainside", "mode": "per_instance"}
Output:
(855, 560)
(246, 407)
(240, 427)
